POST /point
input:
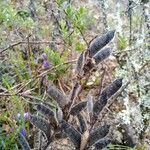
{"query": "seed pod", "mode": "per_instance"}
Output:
(41, 124)
(105, 95)
(83, 125)
(101, 143)
(100, 42)
(56, 94)
(23, 142)
(45, 111)
(102, 54)
(78, 107)
(80, 63)
(72, 133)
(98, 133)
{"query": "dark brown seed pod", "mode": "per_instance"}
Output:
(80, 63)
(78, 107)
(72, 133)
(105, 95)
(41, 124)
(102, 54)
(101, 143)
(98, 133)
(48, 113)
(45, 111)
(100, 42)
(23, 142)
(83, 125)
(56, 94)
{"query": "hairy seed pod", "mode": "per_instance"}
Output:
(72, 133)
(102, 54)
(56, 94)
(78, 107)
(105, 95)
(41, 124)
(45, 111)
(80, 63)
(83, 125)
(98, 133)
(100, 42)
(23, 142)
(101, 143)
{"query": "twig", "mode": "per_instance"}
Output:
(30, 42)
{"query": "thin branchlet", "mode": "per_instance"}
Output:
(101, 143)
(100, 42)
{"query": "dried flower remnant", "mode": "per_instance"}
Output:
(98, 133)
(100, 42)
(23, 142)
(105, 95)
(72, 133)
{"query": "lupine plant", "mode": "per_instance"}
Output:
(55, 122)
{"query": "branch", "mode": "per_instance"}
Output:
(28, 42)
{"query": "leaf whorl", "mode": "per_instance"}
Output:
(41, 124)
(101, 143)
(100, 42)
(102, 54)
(56, 94)
(98, 133)
(83, 126)
(78, 107)
(72, 133)
(23, 142)
(105, 95)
